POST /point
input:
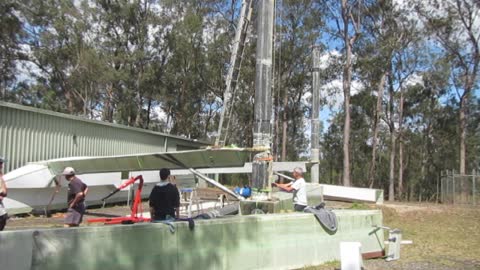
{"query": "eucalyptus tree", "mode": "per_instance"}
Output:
(298, 26)
(194, 78)
(430, 128)
(10, 38)
(135, 54)
(455, 26)
(54, 31)
(331, 149)
(346, 17)
(377, 48)
(385, 56)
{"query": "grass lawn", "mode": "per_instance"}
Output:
(444, 237)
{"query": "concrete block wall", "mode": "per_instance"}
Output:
(273, 241)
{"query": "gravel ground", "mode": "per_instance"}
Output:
(442, 263)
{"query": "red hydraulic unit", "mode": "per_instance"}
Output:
(136, 214)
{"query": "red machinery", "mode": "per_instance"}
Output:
(136, 214)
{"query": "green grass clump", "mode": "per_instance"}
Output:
(358, 206)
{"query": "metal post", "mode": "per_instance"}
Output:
(453, 186)
(438, 188)
(442, 186)
(473, 187)
(445, 187)
(263, 79)
(315, 124)
(263, 95)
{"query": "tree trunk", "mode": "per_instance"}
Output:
(69, 97)
(139, 100)
(107, 105)
(378, 110)
(85, 102)
(423, 169)
(148, 112)
(400, 146)
(391, 182)
(463, 132)
(346, 128)
(284, 123)
(347, 77)
(4, 90)
(277, 131)
(391, 190)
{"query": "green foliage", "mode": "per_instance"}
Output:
(10, 36)
(298, 28)
(161, 65)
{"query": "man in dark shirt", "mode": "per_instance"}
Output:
(77, 190)
(164, 198)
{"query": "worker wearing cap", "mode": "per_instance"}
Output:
(299, 189)
(77, 190)
(3, 194)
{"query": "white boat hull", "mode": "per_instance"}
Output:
(25, 196)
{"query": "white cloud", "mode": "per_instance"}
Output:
(329, 58)
(333, 90)
(413, 80)
(160, 113)
(307, 98)
(438, 9)
(26, 70)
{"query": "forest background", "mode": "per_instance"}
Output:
(399, 90)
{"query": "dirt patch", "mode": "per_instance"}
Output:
(55, 219)
(406, 208)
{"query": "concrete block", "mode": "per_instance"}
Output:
(351, 256)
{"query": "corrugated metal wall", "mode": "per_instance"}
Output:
(28, 134)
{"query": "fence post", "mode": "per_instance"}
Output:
(473, 187)
(441, 187)
(439, 179)
(453, 186)
(446, 188)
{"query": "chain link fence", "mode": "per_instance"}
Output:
(460, 188)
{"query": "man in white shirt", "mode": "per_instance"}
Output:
(3, 194)
(299, 189)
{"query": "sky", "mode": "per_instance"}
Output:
(26, 70)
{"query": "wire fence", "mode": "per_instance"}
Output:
(460, 188)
